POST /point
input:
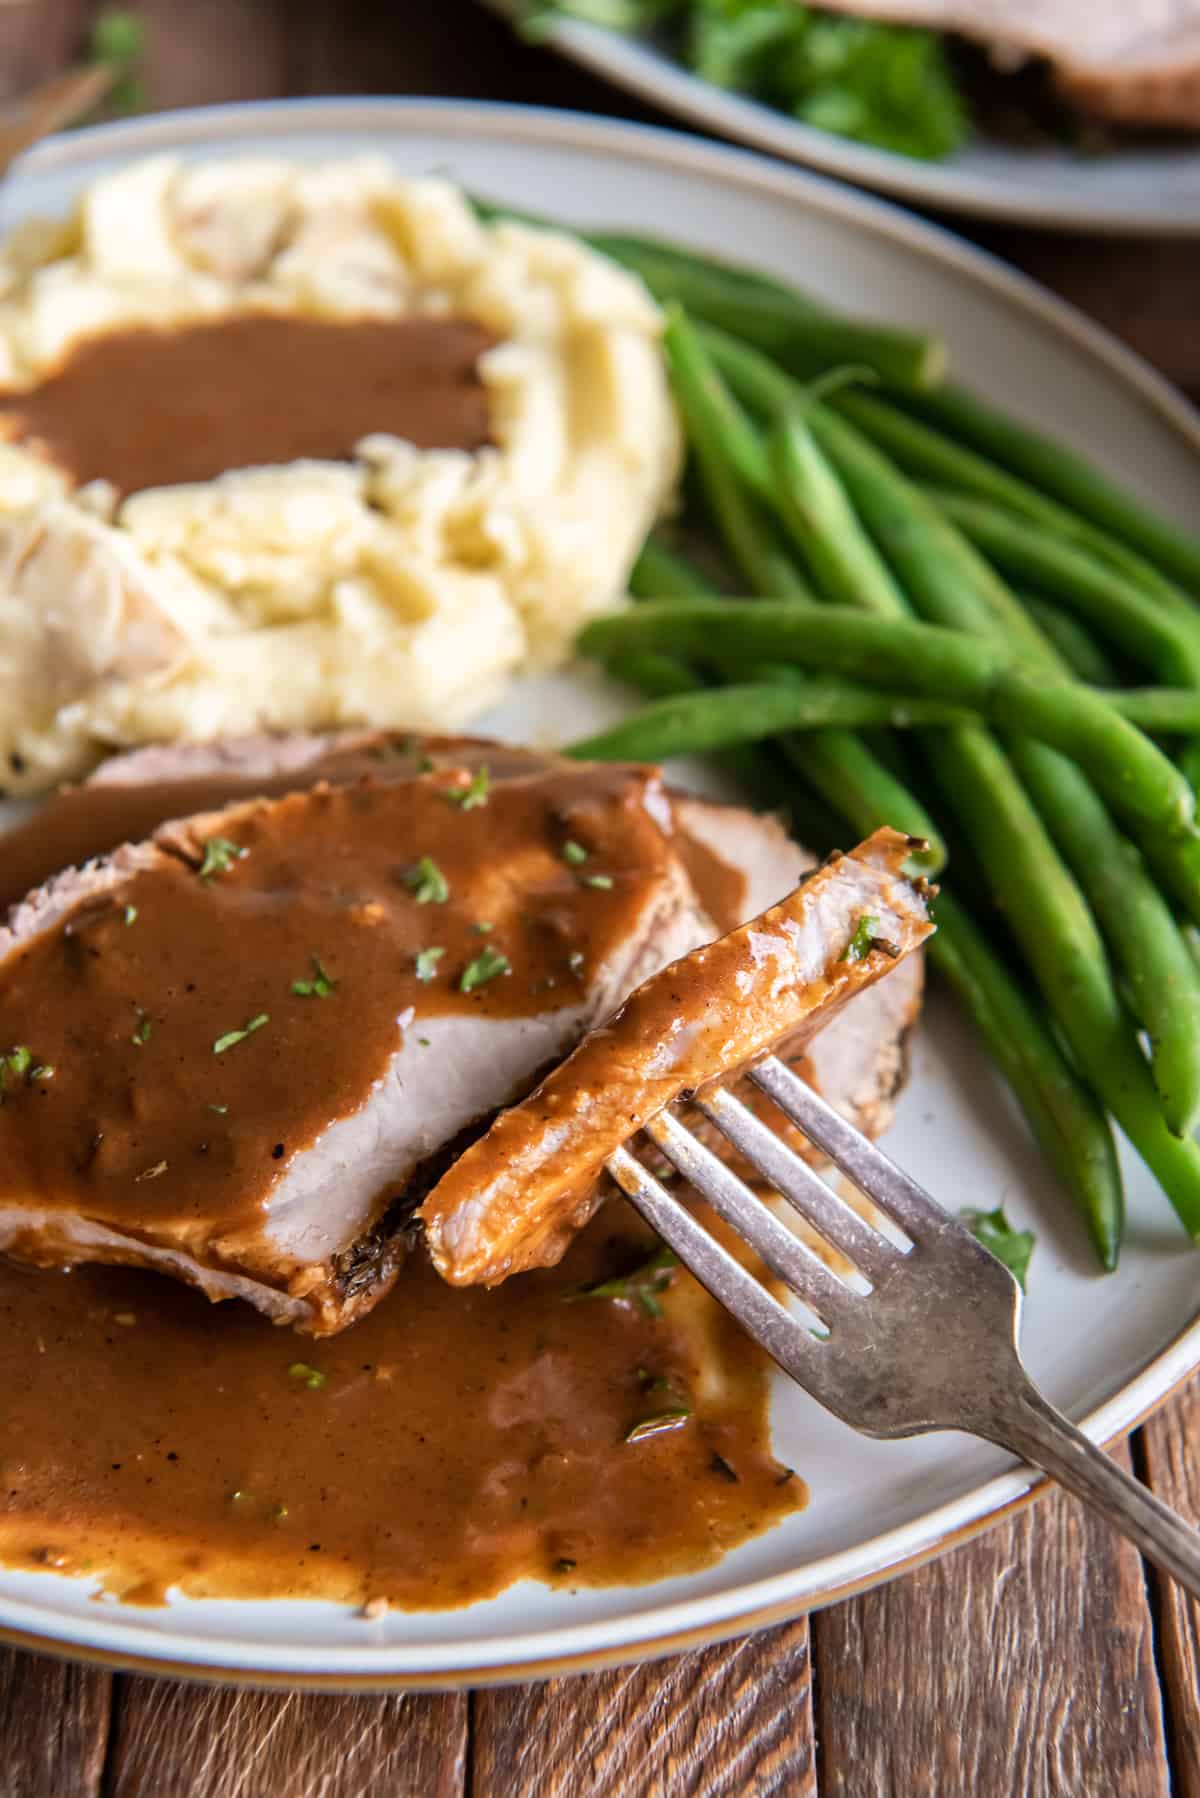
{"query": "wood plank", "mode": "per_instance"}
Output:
(1024, 1662)
(726, 1721)
(1169, 1450)
(38, 38)
(209, 1743)
(455, 47)
(212, 50)
(53, 1727)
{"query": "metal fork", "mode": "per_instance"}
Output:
(930, 1345)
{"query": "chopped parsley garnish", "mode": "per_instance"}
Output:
(219, 1109)
(232, 1037)
(485, 967)
(319, 987)
(657, 1426)
(424, 1041)
(219, 856)
(863, 940)
(308, 1376)
(130, 915)
(993, 1230)
(483, 927)
(603, 881)
(427, 883)
(476, 793)
(426, 963)
(19, 1064)
(641, 1286)
(575, 853)
(144, 1031)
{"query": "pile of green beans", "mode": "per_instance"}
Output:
(933, 618)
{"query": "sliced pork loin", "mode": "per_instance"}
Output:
(257, 1027)
(322, 1145)
(515, 1197)
(1136, 62)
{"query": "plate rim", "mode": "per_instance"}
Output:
(677, 1626)
(645, 72)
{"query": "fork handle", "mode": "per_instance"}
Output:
(1032, 1428)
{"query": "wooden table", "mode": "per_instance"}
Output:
(1043, 1658)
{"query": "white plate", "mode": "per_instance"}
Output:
(1106, 1349)
(1148, 190)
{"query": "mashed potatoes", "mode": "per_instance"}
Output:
(403, 587)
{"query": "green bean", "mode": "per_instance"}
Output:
(1164, 990)
(924, 660)
(804, 336)
(659, 573)
(926, 454)
(1050, 917)
(846, 565)
(1068, 1125)
(1072, 642)
(1159, 711)
(1131, 617)
(1067, 476)
(687, 722)
(710, 418)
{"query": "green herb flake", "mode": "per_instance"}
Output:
(640, 1287)
(219, 856)
(863, 940)
(575, 853)
(424, 1041)
(19, 1065)
(564, 1564)
(233, 1037)
(312, 1377)
(426, 963)
(219, 1109)
(144, 1031)
(476, 793)
(130, 914)
(483, 928)
(1013, 1247)
(427, 883)
(319, 987)
(659, 1425)
(485, 967)
(602, 881)
(118, 42)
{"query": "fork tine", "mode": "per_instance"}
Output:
(784, 1253)
(758, 1311)
(883, 1182)
(800, 1184)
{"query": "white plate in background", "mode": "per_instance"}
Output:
(1146, 189)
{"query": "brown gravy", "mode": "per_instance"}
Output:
(449, 1444)
(147, 407)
